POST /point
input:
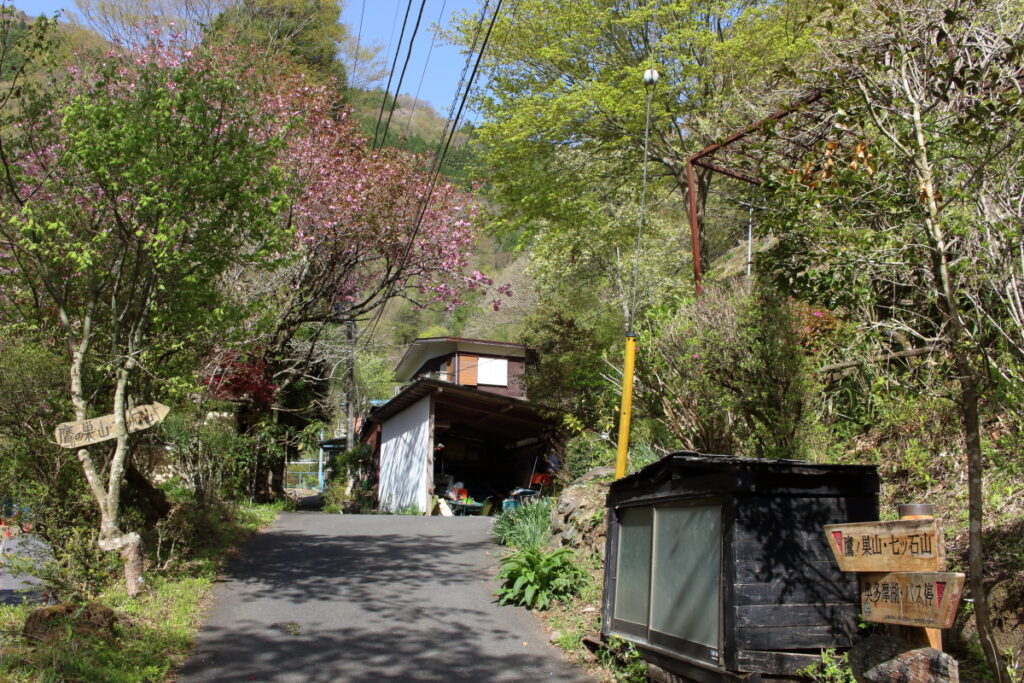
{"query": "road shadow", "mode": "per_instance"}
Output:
(414, 605)
(447, 653)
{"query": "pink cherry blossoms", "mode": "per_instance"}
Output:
(364, 227)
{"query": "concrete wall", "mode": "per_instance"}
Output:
(406, 458)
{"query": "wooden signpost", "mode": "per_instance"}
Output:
(901, 578)
(908, 545)
(87, 432)
(926, 599)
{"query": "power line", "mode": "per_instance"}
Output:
(423, 75)
(457, 107)
(359, 38)
(401, 77)
(394, 64)
(465, 96)
(439, 158)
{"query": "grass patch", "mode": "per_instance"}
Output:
(155, 630)
(570, 622)
(526, 526)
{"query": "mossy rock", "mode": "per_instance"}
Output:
(578, 518)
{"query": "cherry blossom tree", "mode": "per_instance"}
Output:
(129, 185)
(368, 225)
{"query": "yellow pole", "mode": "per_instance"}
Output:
(626, 411)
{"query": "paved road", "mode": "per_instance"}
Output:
(13, 588)
(370, 598)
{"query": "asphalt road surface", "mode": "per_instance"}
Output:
(14, 589)
(322, 597)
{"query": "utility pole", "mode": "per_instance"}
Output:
(626, 409)
(350, 332)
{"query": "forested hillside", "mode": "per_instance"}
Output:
(857, 297)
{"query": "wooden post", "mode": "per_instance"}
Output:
(932, 637)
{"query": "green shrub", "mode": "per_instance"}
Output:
(641, 455)
(335, 497)
(525, 526)
(730, 373)
(214, 462)
(351, 469)
(624, 660)
(535, 579)
(76, 570)
(834, 668)
(583, 453)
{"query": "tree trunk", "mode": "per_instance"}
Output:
(131, 554)
(975, 560)
(968, 379)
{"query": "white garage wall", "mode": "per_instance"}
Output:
(406, 443)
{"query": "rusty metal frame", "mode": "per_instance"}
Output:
(720, 157)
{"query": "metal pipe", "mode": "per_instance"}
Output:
(691, 191)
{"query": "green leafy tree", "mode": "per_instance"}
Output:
(307, 32)
(130, 187)
(564, 111)
(911, 209)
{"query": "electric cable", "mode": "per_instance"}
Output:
(405, 66)
(423, 74)
(457, 107)
(394, 64)
(359, 38)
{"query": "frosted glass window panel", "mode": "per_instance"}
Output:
(492, 371)
(687, 571)
(633, 565)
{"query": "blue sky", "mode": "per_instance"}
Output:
(381, 22)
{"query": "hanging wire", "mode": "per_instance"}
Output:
(359, 38)
(405, 66)
(423, 76)
(462, 93)
(394, 66)
(642, 224)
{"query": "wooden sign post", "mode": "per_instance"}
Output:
(87, 432)
(901, 567)
(904, 546)
(924, 599)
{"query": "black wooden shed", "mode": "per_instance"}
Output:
(717, 567)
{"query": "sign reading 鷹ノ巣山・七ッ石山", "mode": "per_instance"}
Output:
(905, 545)
(86, 432)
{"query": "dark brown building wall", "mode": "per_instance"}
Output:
(516, 388)
(516, 366)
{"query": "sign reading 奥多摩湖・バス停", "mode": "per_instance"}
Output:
(86, 432)
(902, 546)
(927, 599)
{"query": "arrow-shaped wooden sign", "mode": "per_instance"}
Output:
(927, 599)
(86, 432)
(900, 546)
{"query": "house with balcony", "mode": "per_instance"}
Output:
(460, 416)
